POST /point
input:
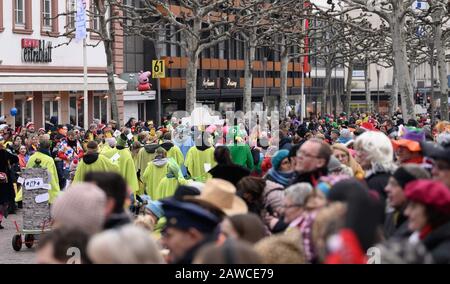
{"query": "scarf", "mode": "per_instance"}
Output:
(281, 178)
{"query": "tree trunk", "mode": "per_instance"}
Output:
(326, 87)
(367, 89)
(401, 63)
(283, 80)
(432, 98)
(442, 69)
(394, 93)
(107, 42)
(191, 81)
(348, 87)
(248, 71)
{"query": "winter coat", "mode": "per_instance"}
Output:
(273, 196)
(196, 159)
(377, 182)
(231, 173)
(437, 243)
(7, 190)
(122, 158)
(94, 163)
(155, 172)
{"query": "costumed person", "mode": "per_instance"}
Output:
(68, 149)
(200, 159)
(168, 185)
(93, 162)
(407, 148)
(173, 151)
(240, 151)
(47, 162)
(183, 140)
(110, 143)
(6, 181)
(145, 156)
(155, 172)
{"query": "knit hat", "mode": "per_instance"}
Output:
(431, 193)
(82, 206)
(279, 156)
(333, 164)
(111, 141)
(29, 124)
(121, 140)
(156, 208)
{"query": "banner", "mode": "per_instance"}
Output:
(80, 20)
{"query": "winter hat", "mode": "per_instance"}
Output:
(121, 140)
(279, 156)
(334, 164)
(431, 193)
(29, 124)
(410, 139)
(82, 206)
(156, 208)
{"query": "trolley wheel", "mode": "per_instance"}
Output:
(29, 241)
(17, 242)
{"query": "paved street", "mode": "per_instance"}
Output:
(7, 254)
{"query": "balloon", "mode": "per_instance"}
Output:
(13, 111)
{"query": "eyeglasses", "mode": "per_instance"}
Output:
(301, 154)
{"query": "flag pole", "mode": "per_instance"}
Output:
(85, 87)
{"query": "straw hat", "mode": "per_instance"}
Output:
(220, 194)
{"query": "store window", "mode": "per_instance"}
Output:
(76, 110)
(46, 15)
(101, 108)
(50, 109)
(19, 12)
(71, 11)
(142, 114)
(24, 111)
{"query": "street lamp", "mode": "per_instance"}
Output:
(265, 83)
(378, 90)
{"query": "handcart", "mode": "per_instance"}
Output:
(36, 210)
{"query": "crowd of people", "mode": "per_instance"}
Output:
(323, 190)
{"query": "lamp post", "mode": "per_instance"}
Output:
(378, 90)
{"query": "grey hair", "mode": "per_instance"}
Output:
(298, 193)
(379, 150)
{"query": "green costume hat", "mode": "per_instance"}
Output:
(121, 140)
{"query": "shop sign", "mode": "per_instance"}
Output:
(229, 83)
(36, 51)
(208, 83)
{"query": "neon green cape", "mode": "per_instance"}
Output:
(48, 163)
(126, 166)
(103, 164)
(196, 160)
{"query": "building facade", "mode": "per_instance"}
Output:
(42, 76)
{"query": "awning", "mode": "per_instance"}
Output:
(139, 96)
(54, 83)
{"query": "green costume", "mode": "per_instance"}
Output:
(48, 163)
(171, 181)
(173, 152)
(122, 158)
(94, 163)
(196, 159)
(154, 173)
(241, 155)
(145, 155)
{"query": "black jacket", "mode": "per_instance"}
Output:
(378, 182)
(438, 244)
(311, 177)
(231, 173)
(7, 190)
(396, 226)
(116, 220)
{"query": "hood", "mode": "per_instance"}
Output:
(167, 145)
(151, 148)
(203, 147)
(160, 162)
(90, 158)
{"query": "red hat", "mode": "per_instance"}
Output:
(29, 124)
(429, 192)
(368, 126)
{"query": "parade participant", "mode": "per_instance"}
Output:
(374, 152)
(281, 171)
(396, 223)
(31, 131)
(428, 212)
(121, 156)
(110, 143)
(311, 161)
(407, 147)
(145, 156)
(440, 153)
(188, 228)
(155, 172)
(91, 133)
(47, 162)
(225, 168)
(93, 162)
(113, 125)
(343, 155)
(127, 245)
(173, 151)
(169, 183)
(81, 207)
(200, 159)
(239, 150)
(115, 188)
(6, 180)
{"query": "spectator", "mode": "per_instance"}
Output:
(225, 168)
(281, 171)
(251, 189)
(244, 227)
(288, 249)
(230, 252)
